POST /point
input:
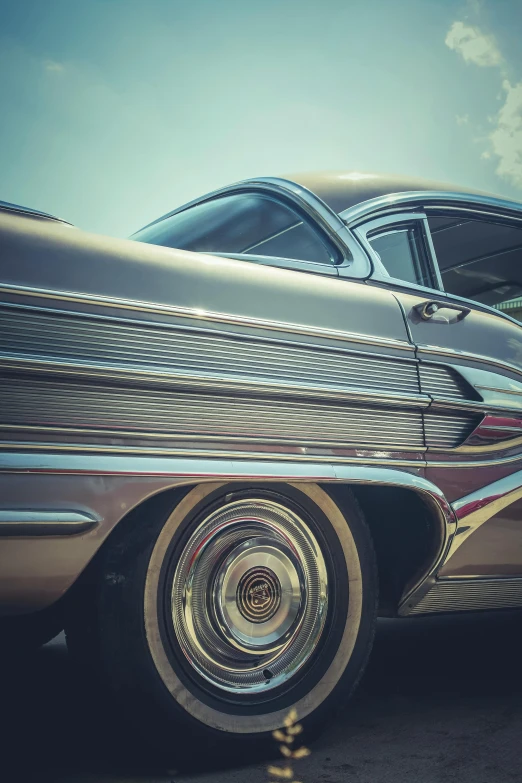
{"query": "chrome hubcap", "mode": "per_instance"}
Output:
(258, 595)
(249, 595)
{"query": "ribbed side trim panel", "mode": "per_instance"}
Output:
(168, 353)
(26, 333)
(466, 595)
(442, 381)
(122, 410)
(449, 430)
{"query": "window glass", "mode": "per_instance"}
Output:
(402, 252)
(244, 223)
(478, 259)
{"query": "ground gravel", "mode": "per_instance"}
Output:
(441, 701)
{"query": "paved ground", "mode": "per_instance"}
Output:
(441, 701)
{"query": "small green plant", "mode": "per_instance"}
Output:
(286, 738)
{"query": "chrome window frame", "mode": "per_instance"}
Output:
(379, 272)
(425, 199)
(430, 202)
(355, 263)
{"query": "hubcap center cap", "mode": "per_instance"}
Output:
(258, 594)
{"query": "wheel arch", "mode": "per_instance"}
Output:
(111, 490)
(410, 532)
(410, 521)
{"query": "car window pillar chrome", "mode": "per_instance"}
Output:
(433, 255)
(355, 261)
(380, 273)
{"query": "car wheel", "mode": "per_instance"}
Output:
(241, 603)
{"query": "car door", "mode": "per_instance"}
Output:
(447, 267)
(356, 358)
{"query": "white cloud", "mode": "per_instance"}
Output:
(506, 139)
(52, 65)
(473, 45)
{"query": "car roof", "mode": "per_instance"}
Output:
(341, 190)
(346, 190)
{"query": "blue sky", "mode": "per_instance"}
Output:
(113, 112)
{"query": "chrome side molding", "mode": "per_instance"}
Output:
(214, 466)
(497, 391)
(467, 595)
(473, 510)
(38, 522)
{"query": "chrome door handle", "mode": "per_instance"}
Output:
(441, 312)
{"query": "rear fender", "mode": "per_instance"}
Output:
(47, 543)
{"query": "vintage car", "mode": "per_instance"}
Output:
(232, 440)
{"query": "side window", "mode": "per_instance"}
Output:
(401, 248)
(246, 224)
(402, 253)
(478, 259)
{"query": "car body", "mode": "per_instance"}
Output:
(339, 330)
